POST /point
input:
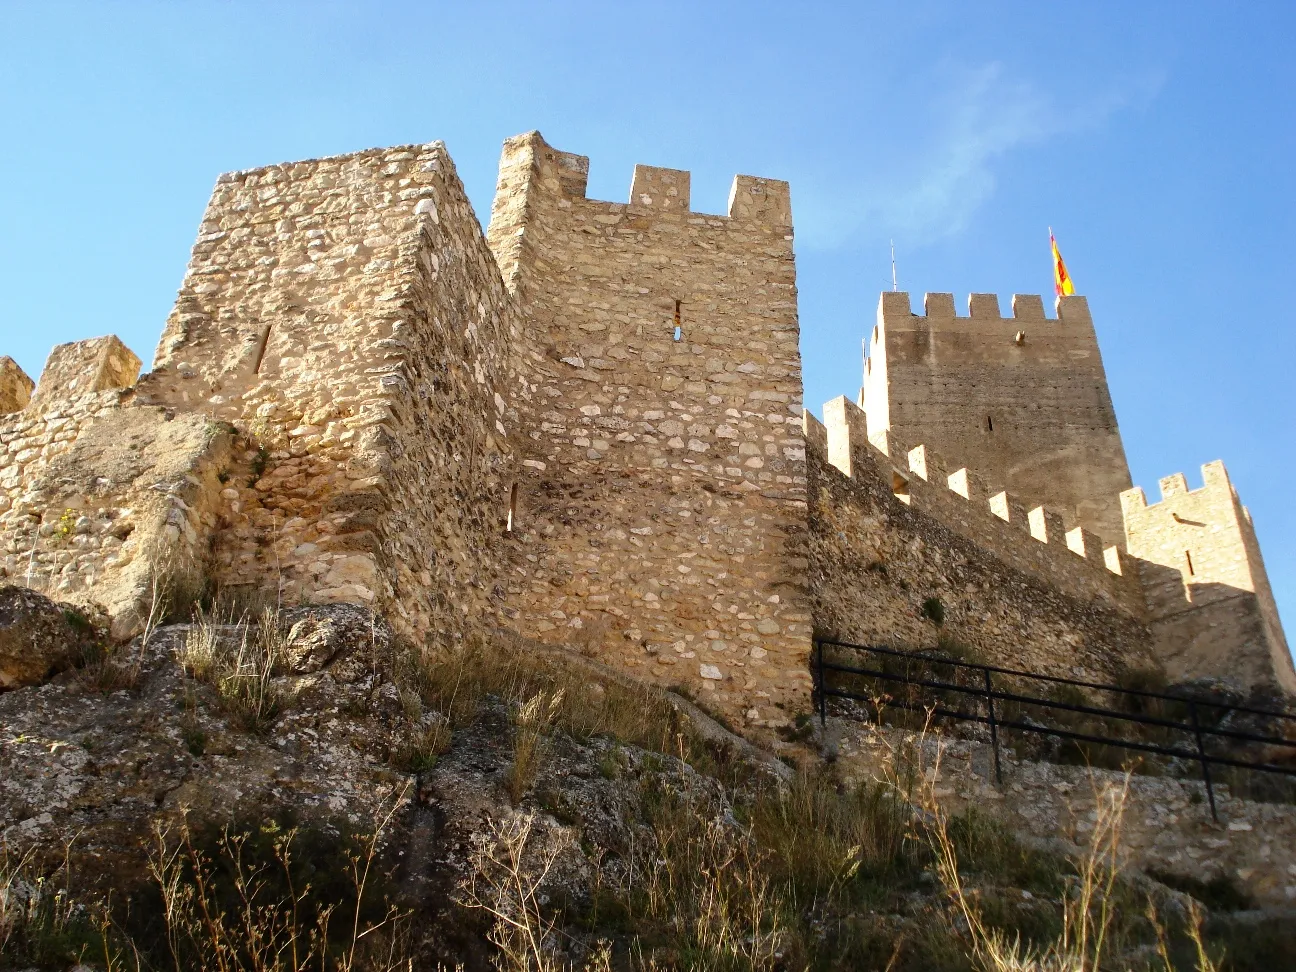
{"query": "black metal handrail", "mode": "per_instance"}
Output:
(988, 694)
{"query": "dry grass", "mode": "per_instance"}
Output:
(32, 910)
(532, 720)
(1090, 903)
(419, 752)
(241, 668)
(227, 907)
(43, 925)
(822, 836)
(812, 874)
(706, 885)
(456, 682)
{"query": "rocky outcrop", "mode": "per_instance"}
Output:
(95, 763)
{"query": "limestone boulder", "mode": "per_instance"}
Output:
(321, 636)
(36, 638)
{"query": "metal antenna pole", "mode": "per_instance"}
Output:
(894, 285)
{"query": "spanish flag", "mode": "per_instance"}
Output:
(1061, 279)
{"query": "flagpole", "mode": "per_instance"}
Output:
(1052, 262)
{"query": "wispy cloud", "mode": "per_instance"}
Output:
(936, 184)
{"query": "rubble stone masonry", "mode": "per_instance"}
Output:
(347, 315)
(660, 513)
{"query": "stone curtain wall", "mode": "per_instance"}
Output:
(1034, 541)
(1207, 590)
(874, 560)
(346, 314)
(1021, 401)
(661, 500)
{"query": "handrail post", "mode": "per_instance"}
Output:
(823, 696)
(994, 728)
(1201, 755)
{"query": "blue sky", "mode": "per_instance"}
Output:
(1156, 138)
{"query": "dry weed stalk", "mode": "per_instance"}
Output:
(534, 718)
(1204, 962)
(26, 902)
(1087, 905)
(40, 921)
(724, 902)
(501, 884)
(506, 881)
(262, 933)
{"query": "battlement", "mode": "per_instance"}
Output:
(1032, 539)
(895, 307)
(1214, 477)
(15, 386)
(1197, 534)
(81, 367)
(653, 189)
(664, 189)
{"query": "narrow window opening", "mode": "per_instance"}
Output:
(1188, 558)
(512, 509)
(679, 328)
(261, 350)
(989, 424)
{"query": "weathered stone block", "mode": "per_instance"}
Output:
(15, 387)
(81, 367)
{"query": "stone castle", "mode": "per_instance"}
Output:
(585, 425)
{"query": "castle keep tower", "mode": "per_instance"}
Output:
(1020, 401)
(662, 504)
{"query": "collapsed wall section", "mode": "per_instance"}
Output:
(1209, 601)
(661, 500)
(884, 541)
(84, 367)
(1020, 401)
(122, 520)
(104, 504)
(346, 314)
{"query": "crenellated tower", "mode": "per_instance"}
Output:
(1021, 401)
(661, 506)
(1209, 603)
